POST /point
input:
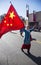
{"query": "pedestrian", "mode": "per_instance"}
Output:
(21, 32)
(27, 41)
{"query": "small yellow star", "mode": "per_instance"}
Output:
(7, 24)
(4, 21)
(11, 24)
(12, 15)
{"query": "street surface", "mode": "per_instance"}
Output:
(10, 50)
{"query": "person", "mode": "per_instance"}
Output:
(27, 41)
(21, 32)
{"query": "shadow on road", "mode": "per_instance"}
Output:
(37, 60)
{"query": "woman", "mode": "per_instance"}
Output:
(27, 39)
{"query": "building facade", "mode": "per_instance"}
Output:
(35, 18)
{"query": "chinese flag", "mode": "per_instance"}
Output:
(11, 21)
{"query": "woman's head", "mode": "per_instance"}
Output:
(28, 27)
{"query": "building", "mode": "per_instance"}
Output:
(35, 18)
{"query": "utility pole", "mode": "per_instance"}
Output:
(27, 14)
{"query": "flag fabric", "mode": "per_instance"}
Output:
(11, 21)
(0, 26)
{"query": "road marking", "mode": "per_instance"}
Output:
(38, 41)
(13, 32)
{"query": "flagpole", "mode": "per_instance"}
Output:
(10, 2)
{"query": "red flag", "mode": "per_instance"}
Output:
(11, 21)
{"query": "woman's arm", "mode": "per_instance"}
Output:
(32, 29)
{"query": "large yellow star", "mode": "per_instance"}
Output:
(12, 15)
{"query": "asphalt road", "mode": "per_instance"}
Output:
(10, 50)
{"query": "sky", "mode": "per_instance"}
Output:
(20, 6)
